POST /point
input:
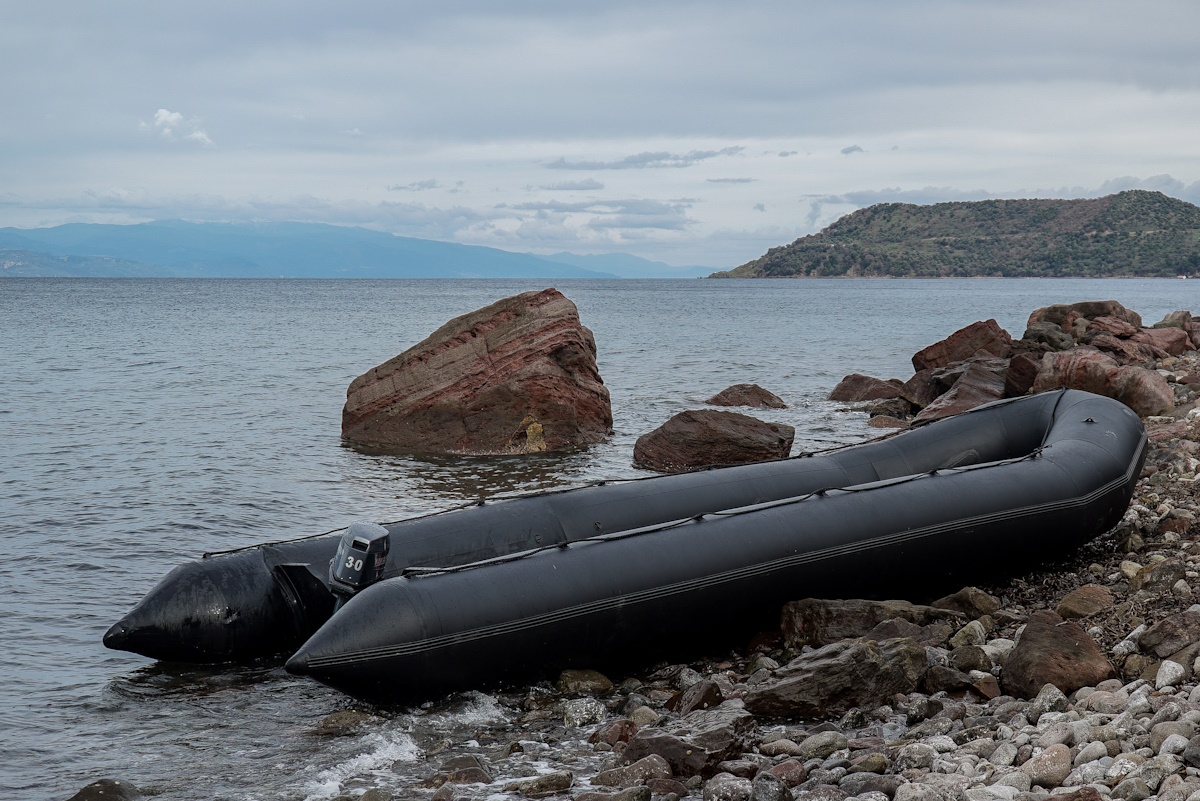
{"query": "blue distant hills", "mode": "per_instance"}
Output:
(173, 248)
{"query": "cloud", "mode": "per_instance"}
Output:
(647, 160)
(583, 185)
(783, 154)
(618, 214)
(759, 207)
(846, 151)
(171, 126)
(731, 180)
(415, 186)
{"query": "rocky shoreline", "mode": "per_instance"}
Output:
(1080, 681)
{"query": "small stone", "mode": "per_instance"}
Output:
(644, 716)
(781, 747)
(821, 745)
(769, 787)
(1169, 674)
(727, 787)
(1132, 789)
(651, 767)
(915, 755)
(791, 771)
(1175, 744)
(1050, 767)
(971, 634)
(538, 786)
(1090, 753)
(581, 711)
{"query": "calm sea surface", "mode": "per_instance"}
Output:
(143, 422)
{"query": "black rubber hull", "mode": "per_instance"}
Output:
(1049, 472)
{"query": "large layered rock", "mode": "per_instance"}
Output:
(831, 680)
(1053, 651)
(516, 376)
(1144, 391)
(982, 338)
(982, 382)
(697, 742)
(1065, 314)
(817, 621)
(857, 387)
(705, 437)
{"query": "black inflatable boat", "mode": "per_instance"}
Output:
(592, 575)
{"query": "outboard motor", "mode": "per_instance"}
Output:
(361, 557)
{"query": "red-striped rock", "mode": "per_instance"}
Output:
(1144, 391)
(1066, 313)
(857, 387)
(985, 338)
(516, 376)
(1174, 341)
(982, 382)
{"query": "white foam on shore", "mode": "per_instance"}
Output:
(384, 749)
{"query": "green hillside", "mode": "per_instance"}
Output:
(1135, 233)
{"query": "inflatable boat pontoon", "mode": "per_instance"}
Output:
(589, 576)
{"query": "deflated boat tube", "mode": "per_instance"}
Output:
(941, 506)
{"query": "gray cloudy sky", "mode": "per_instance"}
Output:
(689, 132)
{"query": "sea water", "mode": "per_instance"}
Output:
(144, 422)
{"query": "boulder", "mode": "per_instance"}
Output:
(632, 775)
(839, 676)
(982, 382)
(1175, 341)
(818, 621)
(1144, 391)
(747, 395)
(516, 376)
(856, 387)
(1050, 334)
(1022, 371)
(1050, 767)
(697, 742)
(1123, 351)
(701, 695)
(583, 682)
(543, 785)
(1112, 326)
(985, 338)
(1053, 651)
(613, 732)
(107, 790)
(1061, 313)
(921, 389)
(706, 437)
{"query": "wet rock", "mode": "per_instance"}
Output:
(971, 601)
(582, 711)
(632, 794)
(343, 722)
(649, 767)
(747, 395)
(1053, 651)
(465, 769)
(768, 787)
(1084, 602)
(941, 678)
(832, 679)
(615, 731)
(984, 338)
(979, 384)
(583, 682)
(483, 381)
(791, 771)
(1049, 768)
(701, 695)
(697, 742)
(817, 621)
(375, 794)
(540, 786)
(856, 388)
(706, 437)
(727, 787)
(108, 790)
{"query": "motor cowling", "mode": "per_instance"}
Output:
(360, 560)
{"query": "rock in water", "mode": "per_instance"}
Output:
(514, 377)
(985, 338)
(747, 395)
(706, 437)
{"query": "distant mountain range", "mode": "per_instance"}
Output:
(172, 248)
(1135, 233)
